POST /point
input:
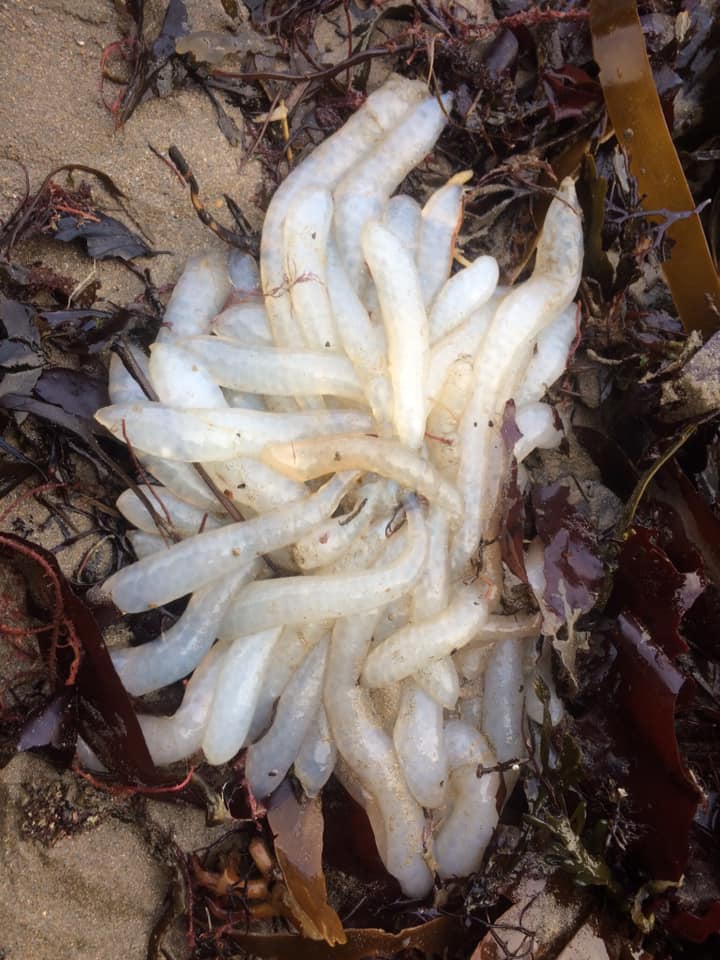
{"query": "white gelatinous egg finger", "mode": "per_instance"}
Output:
(507, 347)
(276, 370)
(177, 652)
(419, 741)
(304, 460)
(461, 295)
(460, 843)
(269, 759)
(463, 342)
(550, 357)
(244, 272)
(502, 626)
(417, 644)
(329, 540)
(470, 709)
(316, 760)
(174, 738)
(540, 667)
(503, 696)
(351, 782)
(255, 429)
(122, 386)
(305, 233)
(560, 247)
(439, 678)
(473, 658)
(444, 416)
(406, 327)
(402, 218)
(208, 435)
(463, 744)
(324, 167)
(362, 340)
(307, 599)
(145, 544)
(363, 192)
(183, 479)
(245, 322)
(350, 642)
(369, 752)
(398, 823)
(291, 649)
(394, 616)
(180, 379)
(536, 423)
(245, 401)
(236, 693)
(169, 433)
(439, 226)
(182, 517)
(200, 293)
(196, 561)
(431, 594)
(440, 681)
(364, 549)
(250, 483)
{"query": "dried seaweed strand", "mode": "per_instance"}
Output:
(327, 74)
(183, 168)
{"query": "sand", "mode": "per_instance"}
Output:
(52, 114)
(93, 891)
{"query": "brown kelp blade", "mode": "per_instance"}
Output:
(634, 108)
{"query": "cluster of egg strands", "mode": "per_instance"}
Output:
(348, 396)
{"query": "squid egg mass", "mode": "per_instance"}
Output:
(352, 405)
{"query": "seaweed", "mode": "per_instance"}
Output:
(70, 214)
(150, 61)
